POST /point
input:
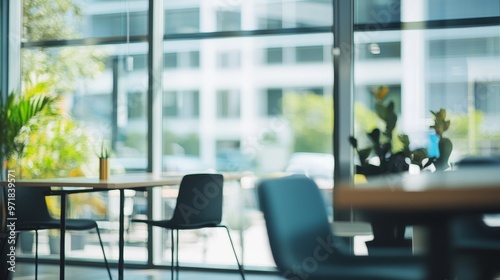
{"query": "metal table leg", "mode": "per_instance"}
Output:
(121, 241)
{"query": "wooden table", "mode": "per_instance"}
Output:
(430, 199)
(115, 182)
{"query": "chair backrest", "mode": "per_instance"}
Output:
(473, 226)
(478, 161)
(31, 205)
(296, 220)
(199, 202)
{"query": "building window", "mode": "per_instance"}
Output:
(111, 25)
(487, 97)
(274, 101)
(170, 60)
(181, 104)
(182, 21)
(228, 104)
(274, 55)
(228, 59)
(194, 59)
(379, 50)
(309, 54)
(228, 20)
(170, 106)
(136, 105)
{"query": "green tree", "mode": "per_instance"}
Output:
(57, 68)
(311, 119)
(62, 148)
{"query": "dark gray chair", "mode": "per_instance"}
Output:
(303, 246)
(199, 205)
(476, 243)
(32, 214)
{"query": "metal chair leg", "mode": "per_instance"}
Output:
(240, 266)
(177, 254)
(103, 253)
(36, 254)
(172, 247)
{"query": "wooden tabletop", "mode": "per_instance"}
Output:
(466, 189)
(124, 181)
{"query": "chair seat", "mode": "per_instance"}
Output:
(171, 225)
(80, 224)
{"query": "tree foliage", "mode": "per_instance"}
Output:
(57, 68)
(311, 119)
(62, 148)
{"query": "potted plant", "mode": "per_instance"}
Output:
(104, 162)
(394, 154)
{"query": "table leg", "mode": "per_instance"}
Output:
(439, 251)
(62, 236)
(121, 242)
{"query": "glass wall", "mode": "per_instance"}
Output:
(247, 86)
(430, 55)
(243, 82)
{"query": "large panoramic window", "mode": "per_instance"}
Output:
(247, 87)
(229, 102)
(427, 56)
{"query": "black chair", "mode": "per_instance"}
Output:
(303, 246)
(199, 205)
(477, 243)
(32, 214)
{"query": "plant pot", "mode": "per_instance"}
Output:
(78, 240)
(54, 245)
(26, 240)
(103, 169)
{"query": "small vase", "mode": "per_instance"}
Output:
(103, 169)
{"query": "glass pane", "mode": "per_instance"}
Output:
(381, 12)
(100, 101)
(199, 16)
(452, 69)
(246, 108)
(61, 20)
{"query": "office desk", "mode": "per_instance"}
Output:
(431, 200)
(81, 184)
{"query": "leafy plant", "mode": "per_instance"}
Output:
(105, 151)
(383, 143)
(16, 113)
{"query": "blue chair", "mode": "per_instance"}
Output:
(302, 243)
(32, 214)
(199, 205)
(477, 243)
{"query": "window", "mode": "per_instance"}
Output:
(228, 59)
(182, 21)
(274, 101)
(228, 20)
(274, 55)
(170, 60)
(110, 25)
(309, 54)
(432, 66)
(383, 50)
(228, 104)
(181, 104)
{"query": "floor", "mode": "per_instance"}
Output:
(25, 271)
